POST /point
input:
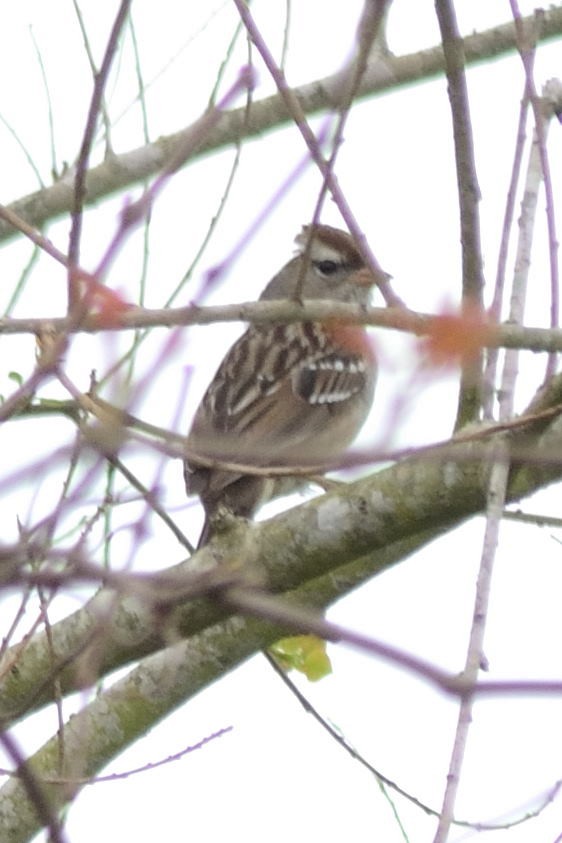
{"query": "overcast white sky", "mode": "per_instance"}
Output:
(276, 776)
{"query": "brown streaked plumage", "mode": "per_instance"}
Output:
(294, 394)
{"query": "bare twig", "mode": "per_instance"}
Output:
(342, 741)
(10, 217)
(497, 303)
(294, 618)
(370, 23)
(150, 765)
(135, 212)
(265, 312)
(95, 73)
(497, 491)
(470, 393)
(49, 102)
(295, 109)
(475, 653)
(136, 165)
(79, 191)
(543, 111)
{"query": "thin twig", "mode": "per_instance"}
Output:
(150, 765)
(32, 234)
(22, 280)
(49, 102)
(79, 192)
(295, 109)
(295, 619)
(94, 71)
(135, 212)
(542, 112)
(538, 519)
(475, 652)
(496, 498)
(342, 741)
(136, 165)
(490, 369)
(371, 21)
(470, 392)
(112, 421)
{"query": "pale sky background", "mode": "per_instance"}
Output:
(276, 775)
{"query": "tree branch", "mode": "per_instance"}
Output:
(263, 312)
(386, 73)
(336, 542)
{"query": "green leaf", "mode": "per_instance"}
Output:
(305, 653)
(15, 376)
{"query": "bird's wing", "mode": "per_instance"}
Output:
(298, 359)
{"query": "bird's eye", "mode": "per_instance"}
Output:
(327, 267)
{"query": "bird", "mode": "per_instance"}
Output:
(286, 394)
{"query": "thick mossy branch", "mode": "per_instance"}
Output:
(345, 536)
(312, 554)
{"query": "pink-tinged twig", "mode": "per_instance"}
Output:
(139, 164)
(295, 110)
(215, 273)
(150, 765)
(100, 82)
(135, 212)
(289, 615)
(368, 29)
(367, 32)
(32, 234)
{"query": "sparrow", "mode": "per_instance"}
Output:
(287, 394)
